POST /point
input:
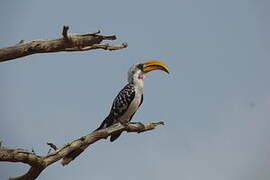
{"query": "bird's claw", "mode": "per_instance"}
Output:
(124, 123)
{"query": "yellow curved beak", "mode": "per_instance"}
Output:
(155, 65)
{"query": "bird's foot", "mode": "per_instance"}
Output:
(124, 123)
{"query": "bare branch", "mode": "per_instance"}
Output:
(79, 145)
(69, 151)
(69, 42)
(93, 33)
(99, 46)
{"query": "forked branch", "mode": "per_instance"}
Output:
(68, 42)
(39, 162)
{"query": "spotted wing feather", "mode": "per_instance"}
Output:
(119, 106)
(122, 101)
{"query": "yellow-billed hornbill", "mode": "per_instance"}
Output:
(130, 97)
(127, 101)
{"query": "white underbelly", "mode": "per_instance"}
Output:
(131, 109)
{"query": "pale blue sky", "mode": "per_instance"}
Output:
(215, 102)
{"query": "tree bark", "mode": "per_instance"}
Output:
(68, 42)
(39, 162)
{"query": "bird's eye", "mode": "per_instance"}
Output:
(140, 66)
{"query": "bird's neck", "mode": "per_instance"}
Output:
(138, 83)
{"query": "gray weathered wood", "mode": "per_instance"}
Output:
(39, 162)
(69, 42)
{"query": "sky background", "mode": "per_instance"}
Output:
(215, 102)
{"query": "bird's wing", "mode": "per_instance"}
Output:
(122, 101)
(120, 105)
(116, 135)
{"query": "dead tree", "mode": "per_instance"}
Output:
(68, 42)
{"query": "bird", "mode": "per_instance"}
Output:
(127, 102)
(130, 98)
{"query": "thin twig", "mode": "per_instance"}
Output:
(92, 33)
(99, 46)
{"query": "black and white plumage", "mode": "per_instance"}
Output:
(123, 108)
(127, 101)
(130, 97)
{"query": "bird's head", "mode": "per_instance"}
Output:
(136, 73)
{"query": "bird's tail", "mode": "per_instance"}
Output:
(115, 136)
(108, 121)
(71, 156)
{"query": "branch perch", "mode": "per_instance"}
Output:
(39, 162)
(69, 42)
